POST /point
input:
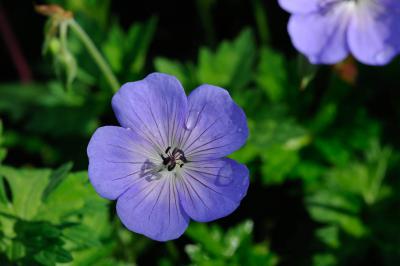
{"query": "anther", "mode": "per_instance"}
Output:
(167, 150)
(171, 159)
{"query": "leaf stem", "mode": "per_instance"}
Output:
(95, 53)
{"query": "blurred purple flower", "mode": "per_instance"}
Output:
(326, 31)
(165, 164)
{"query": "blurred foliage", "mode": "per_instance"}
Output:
(233, 247)
(325, 135)
(230, 66)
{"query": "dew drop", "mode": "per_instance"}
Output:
(224, 176)
(239, 129)
(192, 119)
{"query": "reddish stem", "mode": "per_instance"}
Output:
(14, 49)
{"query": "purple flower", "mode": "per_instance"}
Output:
(326, 31)
(166, 163)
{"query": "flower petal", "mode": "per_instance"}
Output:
(394, 5)
(152, 208)
(374, 33)
(116, 159)
(154, 107)
(321, 36)
(215, 125)
(212, 189)
(299, 6)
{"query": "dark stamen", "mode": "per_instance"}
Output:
(171, 166)
(166, 160)
(171, 159)
(167, 150)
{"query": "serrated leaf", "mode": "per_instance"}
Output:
(272, 75)
(230, 66)
(82, 236)
(233, 247)
(56, 178)
(171, 67)
(27, 186)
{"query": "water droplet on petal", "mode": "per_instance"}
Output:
(239, 129)
(224, 176)
(192, 119)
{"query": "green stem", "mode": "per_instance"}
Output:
(261, 21)
(95, 53)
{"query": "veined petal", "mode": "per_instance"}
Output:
(215, 125)
(394, 5)
(299, 6)
(154, 107)
(116, 159)
(212, 189)
(152, 208)
(374, 33)
(321, 36)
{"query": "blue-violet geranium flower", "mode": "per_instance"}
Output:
(326, 31)
(166, 164)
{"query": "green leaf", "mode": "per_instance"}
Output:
(324, 259)
(18, 100)
(174, 68)
(279, 140)
(27, 186)
(272, 75)
(234, 247)
(231, 65)
(56, 178)
(3, 151)
(341, 196)
(306, 71)
(127, 51)
(278, 163)
(72, 220)
(81, 197)
(82, 236)
(333, 150)
(139, 37)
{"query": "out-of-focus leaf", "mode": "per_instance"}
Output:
(127, 51)
(86, 7)
(113, 52)
(231, 65)
(324, 118)
(41, 241)
(333, 150)
(306, 71)
(329, 235)
(235, 247)
(278, 139)
(324, 260)
(139, 37)
(339, 198)
(278, 163)
(172, 67)
(81, 236)
(18, 100)
(272, 74)
(3, 151)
